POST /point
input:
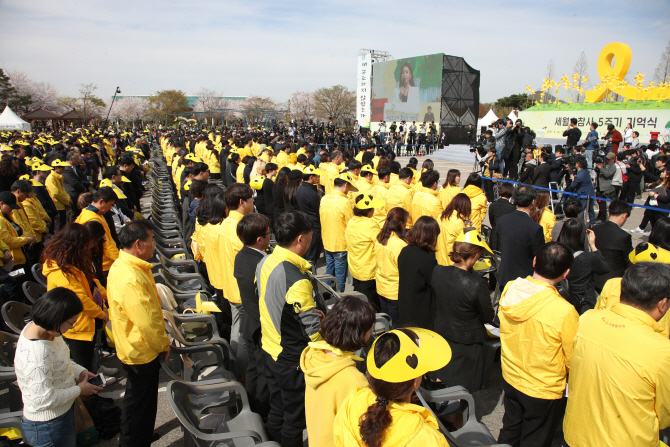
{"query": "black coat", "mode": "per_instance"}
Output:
(308, 202)
(416, 297)
(463, 305)
(541, 175)
(6, 181)
(231, 173)
(581, 278)
(74, 182)
(278, 196)
(615, 244)
(265, 203)
(519, 237)
(45, 199)
(244, 271)
(498, 209)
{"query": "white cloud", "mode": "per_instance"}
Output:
(275, 48)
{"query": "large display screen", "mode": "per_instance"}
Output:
(407, 89)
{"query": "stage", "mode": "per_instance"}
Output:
(459, 153)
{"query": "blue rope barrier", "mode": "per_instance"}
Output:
(581, 196)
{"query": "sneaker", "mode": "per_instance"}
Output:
(108, 372)
(637, 230)
(646, 233)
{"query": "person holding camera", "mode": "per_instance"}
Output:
(631, 187)
(572, 133)
(582, 185)
(613, 138)
(606, 171)
(501, 128)
(489, 165)
(590, 143)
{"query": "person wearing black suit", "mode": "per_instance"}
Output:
(498, 209)
(614, 243)
(72, 181)
(519, 237)
(254, 232)
(542, 172)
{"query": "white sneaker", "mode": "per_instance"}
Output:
(648, 233)
(108, 372)
(637, 230)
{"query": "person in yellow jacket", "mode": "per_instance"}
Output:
(387, 249)
(103, 200)
(361, 236)
(335, 211)
(38, 218)
(21, 189)
(382, 413)
(68, 264)
(328, 364)
(380, 191)
(9, 235)
(364, 183)
(332, 170)
(452, 222)
(282, 157)
(139, 330)
(224, 246)
(425, 201)
(621, 366)
(543, 214)
(537, 329)
(451, 187)
(401, 193)
(473, 189)
(56, 188)
(212, 160)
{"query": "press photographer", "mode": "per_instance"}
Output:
(581, 184)
(556, 173)
(501, 126)
(573, 133)
(512, 151)
(605, 170)
(591, 143)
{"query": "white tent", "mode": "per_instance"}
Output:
(486, 121)
(512, 116)
(11, 121)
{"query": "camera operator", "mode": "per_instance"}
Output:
(591, 143)
(581, 184)
(631, 187)
(501, 127)
(606, 170)
(489, 165)
(556, 173)
(613, 138)
(528, 168)
(512, 151)
(572, 133)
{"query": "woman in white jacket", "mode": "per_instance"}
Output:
(49, 381)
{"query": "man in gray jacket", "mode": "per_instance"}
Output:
(606, 189)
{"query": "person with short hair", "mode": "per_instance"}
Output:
(330, 372)
(102, 201)
(49, 380)
(537, 328)
(309, 201)
(289, 321)
(425, 201)
(621, 366)
(499, 208)
(613, 242)
(400, 194)
(139, 331)
(572, 207)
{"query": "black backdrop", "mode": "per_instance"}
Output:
(460, 99)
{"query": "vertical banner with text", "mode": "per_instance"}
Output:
(363, 90)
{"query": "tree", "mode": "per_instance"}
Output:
(513, 101)
(582, 69)
(87, 106)
(212, 104)
(130, 109)
(663, 69)
(41, 94)
(258, 110)
(166, 103)
(337, 102)
(9, 96)
(551, 69)
(483, 109)
(302, 106)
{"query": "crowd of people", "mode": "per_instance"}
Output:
(260, 208)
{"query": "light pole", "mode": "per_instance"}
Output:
(118, 90)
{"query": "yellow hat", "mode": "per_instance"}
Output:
(125, 179)
(474, 238)
(431, 353)
(646, 252)
(257, 183)
(367, 201)
(108, 183)
(349, 179)
(58, 163)
(24, 177)
(311, 170)
(41, 167)
(192, 158)
(187, 185)
(368, 168)
(29, 161)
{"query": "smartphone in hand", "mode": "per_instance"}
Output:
(98, 380)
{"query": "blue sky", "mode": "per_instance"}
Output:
(275, 48)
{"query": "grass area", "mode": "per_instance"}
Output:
(629, 105)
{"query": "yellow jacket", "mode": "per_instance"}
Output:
(36, 216)
(12, 240)
(619, 394)
(361, 237)
(135, 311)
(331, 173)
(448, 193)
(426, 203)
(239, 173)
(400, 195)
(380, 191)
(450, 228)
(109, 250)
(364, 186)
(209, 235)
(478, 204)
(329, 380)
(387, 276)
(224, 247)
(19, 218)
(282, 159)
(335, 211)
(611, 295)
(54, 184)
(212, 161)
(547, 221)
(84, 328)
(411, 425)
(537, 328)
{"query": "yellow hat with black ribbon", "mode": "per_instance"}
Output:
(473, 237)
(368, 202)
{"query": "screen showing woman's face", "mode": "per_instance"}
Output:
(405, 75)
